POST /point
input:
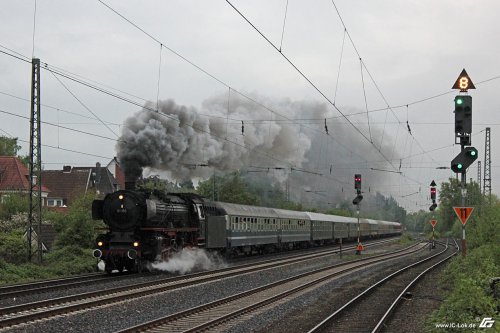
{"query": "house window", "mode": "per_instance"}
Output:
(54, 202)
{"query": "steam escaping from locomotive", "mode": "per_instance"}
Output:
(176, 138)
(190, 260)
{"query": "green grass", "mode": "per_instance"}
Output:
(69, 260)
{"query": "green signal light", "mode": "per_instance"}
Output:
(459, 166)
(472, 153)
(459, 101)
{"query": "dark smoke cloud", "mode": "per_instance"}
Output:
(178, 137)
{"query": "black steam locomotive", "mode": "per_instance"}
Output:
(146, 226)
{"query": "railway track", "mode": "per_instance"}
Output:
(44, 286)
(211, 315)
(17, 290)
(372, 307)
(29, 312)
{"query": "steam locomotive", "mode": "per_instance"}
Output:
(147, 226)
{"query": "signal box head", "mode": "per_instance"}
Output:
(357, 181)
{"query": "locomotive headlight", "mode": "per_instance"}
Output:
(136, 244)
(120, 197)
(100, 243)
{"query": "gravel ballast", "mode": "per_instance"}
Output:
(120, 316)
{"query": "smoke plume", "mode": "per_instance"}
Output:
(177, 138)
(236, 134)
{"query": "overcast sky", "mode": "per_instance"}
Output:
(413, 50)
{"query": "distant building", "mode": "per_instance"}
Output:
(71, 182)
(14, 178)
(48, 237)
(117, 172)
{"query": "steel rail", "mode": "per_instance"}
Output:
(321, 326)
(392, 307)
(166, 322)
(27, 312)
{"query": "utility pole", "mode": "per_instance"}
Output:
(35, 166)
(487, 165)
(479, 174)
(213, 186)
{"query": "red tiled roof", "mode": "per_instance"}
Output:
(66, 185)
(14, 175)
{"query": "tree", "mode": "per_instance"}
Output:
(12, 204)
(229, 188)
(8, 146)
(76, 227)
(450, 196)
(418, 221)
(485, 229)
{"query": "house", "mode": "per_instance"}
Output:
(14, 178)
(117, 172)
(48, 237)
(71, 182)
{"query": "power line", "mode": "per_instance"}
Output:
(306, 78)
(83, 104)
(49, 68)
(63, 127)
(319, 91)
(56, 108)
(207, 73)
(69, 150)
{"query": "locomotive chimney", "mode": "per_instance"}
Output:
(130, 183)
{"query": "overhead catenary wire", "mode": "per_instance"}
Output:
(284, 23)
(98, 86)
(245, 120)
(84, 105)
(351, 151)
(303, 75)
(366, 101)
(70, 150)
(253, 100)
(372, 79)
(56, 108)
(340, 66)
(63, 127)
(202, 70)
(324, 96)
(159, 77)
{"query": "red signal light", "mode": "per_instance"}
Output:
(433, 193)
(357, 181)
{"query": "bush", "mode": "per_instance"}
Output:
(70, 260)
(76, 227)
(13, 273)
(65, 261)
(406, 240)
(13, 204)
(13, 247)
(17, 221)
(469, 279)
